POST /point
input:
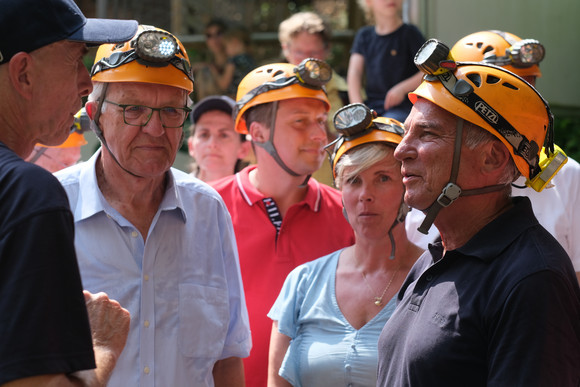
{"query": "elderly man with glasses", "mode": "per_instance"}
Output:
(155, 238)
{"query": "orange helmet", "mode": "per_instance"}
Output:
(280, 81)
(520, 56)
(356, 125)
(152, 56)
(493, 99)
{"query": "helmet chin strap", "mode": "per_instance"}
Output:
(99, 133)
(452, 191)
(269, 147)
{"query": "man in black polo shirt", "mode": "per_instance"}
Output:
(495, 301)
(45, 337)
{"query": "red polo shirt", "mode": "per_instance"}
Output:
(310, 229)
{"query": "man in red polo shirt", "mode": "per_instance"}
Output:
(282, 218)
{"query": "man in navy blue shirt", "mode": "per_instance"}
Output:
(45, 337)
(495, 301)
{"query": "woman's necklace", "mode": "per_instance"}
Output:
(379, 300)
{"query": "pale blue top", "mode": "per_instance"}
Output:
(325, 350)
(182, 285)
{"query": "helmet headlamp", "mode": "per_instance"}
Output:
(356, 124)
(523, 53)
(151, 48)
(312, 73)
(433, 57)
(155, 46)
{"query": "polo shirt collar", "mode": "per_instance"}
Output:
(494, 237)
(251, 195)
(93, 201)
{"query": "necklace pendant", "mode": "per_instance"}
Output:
(378, 301)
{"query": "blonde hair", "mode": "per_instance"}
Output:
(308, 22)
(361, 158)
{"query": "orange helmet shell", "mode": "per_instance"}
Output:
(478, 46)
(375, 135)
(271, 73)
(517, 101)
(136, 72)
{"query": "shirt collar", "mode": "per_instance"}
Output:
(251, 195)
(93, 201)
(494, 237)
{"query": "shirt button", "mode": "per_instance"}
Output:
(146, 370)
(146, 323)
(146, 277)
(429, 277)
(134, 234)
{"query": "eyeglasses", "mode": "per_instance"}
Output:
(525, 53)
(139, 115)
(152, 47)
(311, 73)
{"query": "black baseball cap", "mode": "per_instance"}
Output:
(26, 25)
(213, 102)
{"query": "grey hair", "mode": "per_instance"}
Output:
(360, 158)
(475, 136)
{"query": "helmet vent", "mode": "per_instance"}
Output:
(475, 78)
(488, 49)
(492, 80)
(509, 85)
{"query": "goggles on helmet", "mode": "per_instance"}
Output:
(434, 59)
(151, 48)
(354, 121)
(523, 53)
(311, 73)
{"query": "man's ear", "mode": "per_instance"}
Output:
(20, 72)
(495, 157)
(286, 51)
(259, 132)
(91, 108)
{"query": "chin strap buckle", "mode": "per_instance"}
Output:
(449, 194)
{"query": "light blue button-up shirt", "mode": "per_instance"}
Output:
(182, 285)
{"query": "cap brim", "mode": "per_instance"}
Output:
(99, 31)
(223, 103)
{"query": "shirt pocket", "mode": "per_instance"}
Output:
(203, 320)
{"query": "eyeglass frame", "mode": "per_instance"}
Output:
(185, 109)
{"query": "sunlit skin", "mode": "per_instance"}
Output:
(300, 134)
(426, 153)
(147, 151)
(215, 146)
(66, 72)
(304, 45)
(372, 199)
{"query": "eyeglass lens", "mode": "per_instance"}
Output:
(138, 115)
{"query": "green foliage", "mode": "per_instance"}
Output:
(567, 130)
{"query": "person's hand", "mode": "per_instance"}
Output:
(395, 96)
(109, 323)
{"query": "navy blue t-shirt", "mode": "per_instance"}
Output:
(44, 326)
(502, 310)
(388, 61)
